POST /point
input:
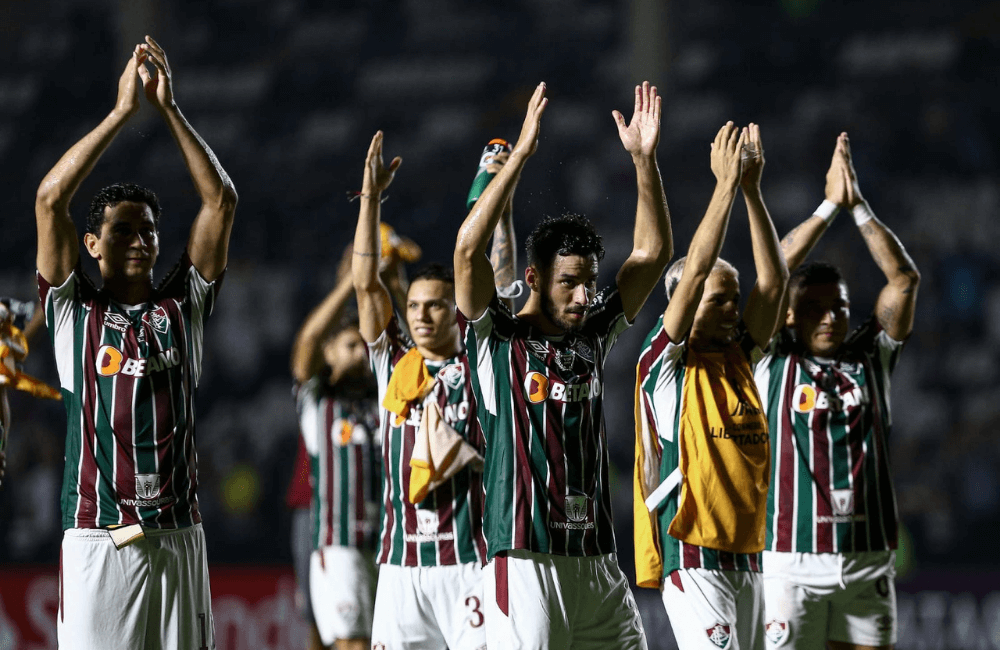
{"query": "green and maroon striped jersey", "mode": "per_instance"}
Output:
(661, 368)
(540, 406)
(831, 488)
(128, 376)
(447, 526)
(341, 436)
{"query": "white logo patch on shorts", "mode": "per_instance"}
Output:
(719, 635)
(776, 631)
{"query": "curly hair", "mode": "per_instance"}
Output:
(567, 234)
(118, 193)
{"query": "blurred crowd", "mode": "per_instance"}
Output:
(288, 94)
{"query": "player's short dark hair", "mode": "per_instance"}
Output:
(567, 234)
(434, 271)
(112, 195)
(813, 273)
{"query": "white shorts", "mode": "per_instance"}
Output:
(429, 608)
(153, 594)
(814, 597)
(539, 601)
(340, 586)
(714, 609)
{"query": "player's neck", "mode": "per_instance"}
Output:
(128, 292)
(440, 353)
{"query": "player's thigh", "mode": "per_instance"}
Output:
(798, 589)
(340, 589)
(403, 619)
(606, 614)
(103, 593)
(702, 606)
(749, 608)
(525, 608)
(457, 597)
(182, 615)
(865, 615)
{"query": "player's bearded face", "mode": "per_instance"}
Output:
(431, 317)
(819, 314)
(129, 243)
(345, 354)
(567, 290)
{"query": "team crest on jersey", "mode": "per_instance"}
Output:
(147, 486)
(842, 501)
(584, 351)
(719, 635)
(452, 375)
(160, 321)
(776, 631)
(116, 321)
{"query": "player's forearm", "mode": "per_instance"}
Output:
(309, 340)
(367, 242)
(800, 240)
(652, 238)
(61, 183)
(889, 254)
(772, 271)
(706, 245)
(503, 254)
(482, 220)
(211, 181)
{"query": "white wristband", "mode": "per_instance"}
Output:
(827, 210)
(862, 213)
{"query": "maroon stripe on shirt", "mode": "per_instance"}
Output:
(86, 510)
(691, 555)
(169, 447)
(411, 550)
(328, 433)
(786, 473)
(123, 423)
(727, 561)
(523, 493)
(655, 349)
(446, 510)
(360, 491)
(387, 507)
(823, 540)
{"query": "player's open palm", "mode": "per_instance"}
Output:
(128, 87)
(527, 142)
(726, 151)
(642, 134)
(158, 85)
(752, 156)
(378, 177)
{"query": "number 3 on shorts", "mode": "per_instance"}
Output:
(475, 614)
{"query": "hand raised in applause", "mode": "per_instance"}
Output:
(642, 134)
(527, 142)
(726, 152)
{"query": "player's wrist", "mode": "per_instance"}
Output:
(862, 212)
(827, 210)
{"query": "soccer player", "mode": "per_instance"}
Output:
(832, 524)
(129, 359)
(553, 579)
(701, 450)
(338, 421)
(429, 593)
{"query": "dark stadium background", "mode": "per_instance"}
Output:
(288, 94)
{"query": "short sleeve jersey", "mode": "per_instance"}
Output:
(128, 376)
(341, 437)
(831, 488)
(541, 409)
(446, 528)
(662, 367)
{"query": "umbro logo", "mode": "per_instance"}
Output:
(116, 321)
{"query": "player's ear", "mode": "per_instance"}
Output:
(90, 243)
(532, 278)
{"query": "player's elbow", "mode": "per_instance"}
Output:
(908, 278)
(228, 198)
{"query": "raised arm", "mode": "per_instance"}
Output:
(374, 303)
(58, 245)
(801, 239)
(503, 252)
(707, 241)
(308, 347)
(764, 304)
(474, 275)
(898, 299)
(652, 240)
(208, 244)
